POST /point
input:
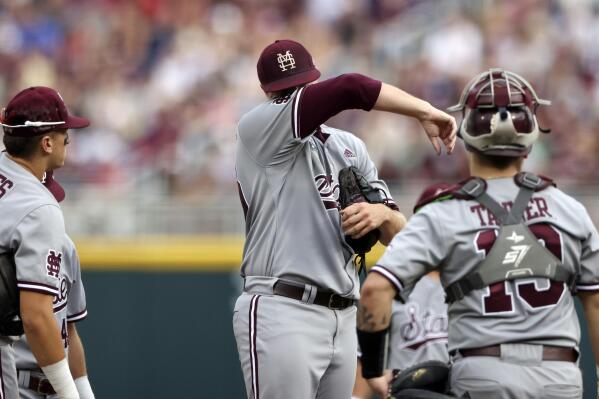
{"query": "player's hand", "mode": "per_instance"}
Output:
(360, 218)
(380, 385)
(440, 126)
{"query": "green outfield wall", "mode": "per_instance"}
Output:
(161, 335)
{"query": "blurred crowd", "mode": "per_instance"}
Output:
(165, 81)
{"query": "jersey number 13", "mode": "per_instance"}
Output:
(499, 299)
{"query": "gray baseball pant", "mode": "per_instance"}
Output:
(295, 350)
(519, 374)
(8, 372)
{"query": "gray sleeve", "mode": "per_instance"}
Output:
(38, 240)
(270, 137)
(588, 278)
(76, 305)
(418, 249)
(370, 172)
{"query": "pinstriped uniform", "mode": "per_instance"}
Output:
(289, 191)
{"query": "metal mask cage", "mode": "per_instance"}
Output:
(512, 80)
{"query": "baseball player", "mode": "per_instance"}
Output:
(69, 308)
(511, 249)
(36, 123)
(295, 321)
(417, 331)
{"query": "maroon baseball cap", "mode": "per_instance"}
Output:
(38, 110)
(284, 64)
(53, 186)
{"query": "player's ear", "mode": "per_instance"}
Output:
(47, 144)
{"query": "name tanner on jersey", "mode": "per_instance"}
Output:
(537, 208)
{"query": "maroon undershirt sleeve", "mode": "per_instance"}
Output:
(320, 101)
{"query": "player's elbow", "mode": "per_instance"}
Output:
(35, 310)
(377, 287)
(33, 320)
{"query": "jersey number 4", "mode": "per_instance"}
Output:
(499, 299)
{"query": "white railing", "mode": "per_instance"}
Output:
(127, 216)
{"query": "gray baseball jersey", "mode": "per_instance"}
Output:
(454, 236)
(289, 191)
(287, 166)
(69, 306)
(32, 229)
(419, 327)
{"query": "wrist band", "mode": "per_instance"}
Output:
(374, 352)
(60, 377)
(84, 388)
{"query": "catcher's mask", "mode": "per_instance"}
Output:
(498, 114)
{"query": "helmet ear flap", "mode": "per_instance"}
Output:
(541, 129)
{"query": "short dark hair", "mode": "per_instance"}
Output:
(21, 147)
(496, 161)
(25, 146)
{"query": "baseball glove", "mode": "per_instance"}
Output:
(10, 322)
(354, 188)
(426, 380)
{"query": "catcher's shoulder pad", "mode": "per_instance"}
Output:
(445, 191)
(438, 192)
(539, 182)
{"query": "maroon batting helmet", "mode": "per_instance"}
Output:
(285, 64)
(499, 114)
(38, 110)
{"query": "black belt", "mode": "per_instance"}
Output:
(40, 385)
(559, 353)
(322, 298)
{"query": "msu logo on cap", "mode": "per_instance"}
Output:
(285, 64)
(286, 61)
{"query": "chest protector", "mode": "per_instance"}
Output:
(516, 253)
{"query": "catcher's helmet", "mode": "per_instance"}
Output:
(498, 110)
(285, 64)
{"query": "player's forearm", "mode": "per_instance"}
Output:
(76, 353)
(45, 341)
(391, 226)
(374, 314)
(376, 297)
(77, 364)
(393, 99)
(361, 389)
(40, 328)
(590, 302)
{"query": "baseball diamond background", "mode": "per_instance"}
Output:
(159, 323)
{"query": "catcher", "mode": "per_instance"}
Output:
(512, 250)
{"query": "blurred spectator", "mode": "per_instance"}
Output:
(164, 82)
